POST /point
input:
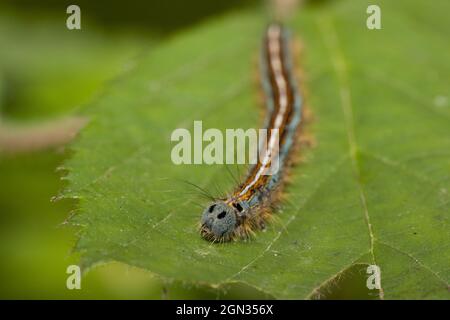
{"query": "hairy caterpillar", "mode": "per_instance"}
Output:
(247, 208)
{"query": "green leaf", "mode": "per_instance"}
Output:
(375, 189)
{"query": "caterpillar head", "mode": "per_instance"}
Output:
(219, 222)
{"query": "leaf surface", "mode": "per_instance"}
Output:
(374, 190)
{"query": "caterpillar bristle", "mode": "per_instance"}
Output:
(251, 207)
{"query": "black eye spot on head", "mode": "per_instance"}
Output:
(221, 215)
(238, 206)
(219, 221)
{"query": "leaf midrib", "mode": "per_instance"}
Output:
(331, 41)
(332, 44)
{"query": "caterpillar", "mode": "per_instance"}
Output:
(247, 208)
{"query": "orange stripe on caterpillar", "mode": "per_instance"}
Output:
(248, 208)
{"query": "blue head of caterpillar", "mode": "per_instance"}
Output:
(219, 221)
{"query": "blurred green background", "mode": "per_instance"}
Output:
(47, 71)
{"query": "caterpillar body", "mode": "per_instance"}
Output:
(248, 208)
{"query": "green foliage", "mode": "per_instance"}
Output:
(374, 190)
(46, 69)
